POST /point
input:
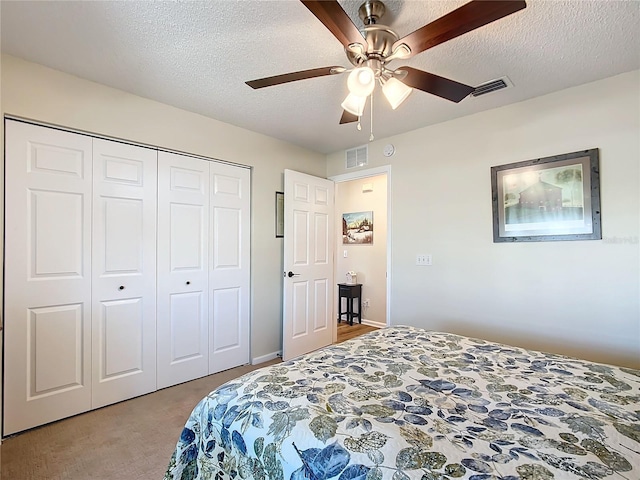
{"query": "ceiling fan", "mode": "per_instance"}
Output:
(371, 51)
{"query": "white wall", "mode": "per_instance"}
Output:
(580, 298)
(368, 261)
(39, 93)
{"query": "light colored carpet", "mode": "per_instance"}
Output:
(129, 440)
(126, 441)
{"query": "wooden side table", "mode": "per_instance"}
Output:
(350, 292)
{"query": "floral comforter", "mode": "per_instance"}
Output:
(403, 403)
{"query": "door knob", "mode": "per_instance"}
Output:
(291, 274)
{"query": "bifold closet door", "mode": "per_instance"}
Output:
(123, 271)
(47, 343)
(229, 270)
(183, 265)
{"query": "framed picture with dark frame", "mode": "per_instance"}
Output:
(279, 214)
(547, 199)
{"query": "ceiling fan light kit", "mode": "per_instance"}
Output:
(361, 81)
(354, 104)
(371, 49)
(396, 92)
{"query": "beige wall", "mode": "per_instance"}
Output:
(2, 256)
(368, 261)
(589, 305)
(38, 93)
(580, 298)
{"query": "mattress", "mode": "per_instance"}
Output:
(404, 403)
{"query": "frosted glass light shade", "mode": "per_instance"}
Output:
(396, 92)
(354, 104)
(361, 81)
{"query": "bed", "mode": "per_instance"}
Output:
(404, 403)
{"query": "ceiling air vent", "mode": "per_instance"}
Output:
(357, 157)
(491, 86)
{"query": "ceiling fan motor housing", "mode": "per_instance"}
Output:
(371, 11)
(380, 38)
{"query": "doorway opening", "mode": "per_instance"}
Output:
(363, 250)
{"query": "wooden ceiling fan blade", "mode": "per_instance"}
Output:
(332, 16)
(468, 17)
(294, 76)
(348, 117)
(434, 84)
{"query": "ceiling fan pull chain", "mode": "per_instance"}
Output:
(371, 106)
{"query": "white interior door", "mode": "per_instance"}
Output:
(123, 271)
(183, 269)
(229, 266)
(47, 275)
(308, 264)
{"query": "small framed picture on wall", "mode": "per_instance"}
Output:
(279, 214)
(357, 228)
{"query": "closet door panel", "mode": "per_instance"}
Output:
(226, 305)
(124, 271)
(55, 343)
(47, 275)
(121, 338)
(186, 326)
(229, 266)
(183, 262)
(123, 235)
(56, 240)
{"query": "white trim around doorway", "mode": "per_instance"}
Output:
(372, 172)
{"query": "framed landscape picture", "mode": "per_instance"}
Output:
(357, 228)
(279, 214)
(547, 199)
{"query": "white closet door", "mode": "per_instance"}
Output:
(229, 266)
(47, 275)
(183, 261)
(123, 271)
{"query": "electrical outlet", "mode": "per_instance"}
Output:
(365, 303)
(423, 259)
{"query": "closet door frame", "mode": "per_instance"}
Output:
(83, 321)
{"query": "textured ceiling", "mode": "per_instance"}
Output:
(196, 55)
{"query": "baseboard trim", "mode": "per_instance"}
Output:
(266, 358)
(278, 354)
(371, 323)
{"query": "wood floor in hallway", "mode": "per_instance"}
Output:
(346, 332)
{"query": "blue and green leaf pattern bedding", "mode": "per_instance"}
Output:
(403, 403)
